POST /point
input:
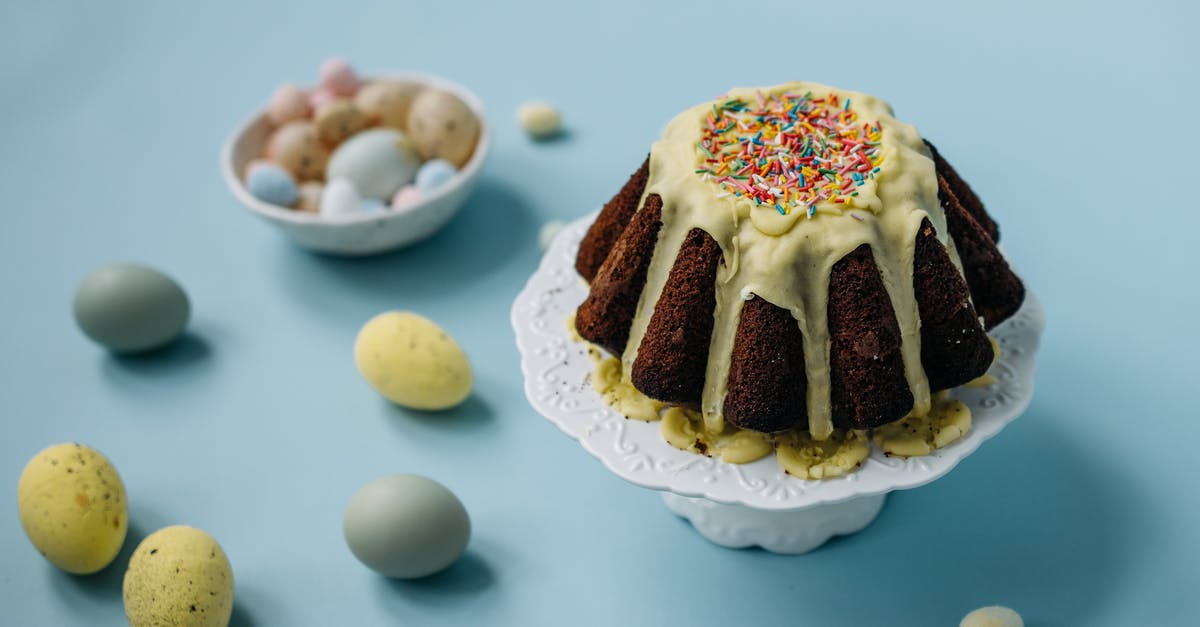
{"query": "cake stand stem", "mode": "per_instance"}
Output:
(779, 531)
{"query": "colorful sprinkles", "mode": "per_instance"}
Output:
(789, 150)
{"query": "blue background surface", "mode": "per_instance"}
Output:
(1075, 122)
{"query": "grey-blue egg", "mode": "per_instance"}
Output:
(378, 161)
(130, 308)
(406, 526)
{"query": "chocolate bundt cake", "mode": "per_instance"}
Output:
(795, 258)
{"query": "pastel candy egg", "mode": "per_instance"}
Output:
(379, 161)
(295, 146)
(372, 206)
(386, 103)
(442, 125)
(540, 120)
(338, 78)
(310, 196)
(72, 505)
(271, 183)
(340, 198)
(337, 120)
(406, 198)
(993, 616)
(320, 97)
(129, 308)
(178, 576)
(412, 362)
(434, 174)
(288, 103)
(406, 526)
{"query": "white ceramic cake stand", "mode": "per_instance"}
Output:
(749, 504)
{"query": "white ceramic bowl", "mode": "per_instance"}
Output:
(364, 234)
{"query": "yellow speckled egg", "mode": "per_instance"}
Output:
(337, 120)
(72, 505)
(386, 102)
(442, 126)
(295, 147)
(178, 576)
(412, 361)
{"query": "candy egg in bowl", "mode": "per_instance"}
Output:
(359, 166)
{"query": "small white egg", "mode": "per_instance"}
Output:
(340, 198)
(539, 119)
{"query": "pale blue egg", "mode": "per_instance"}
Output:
(372, 206)
(406, 526)
(378, 161)
(340, 198)
(130, 308)
(271, 183)
(434, 174)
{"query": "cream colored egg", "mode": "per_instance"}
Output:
(386, 103)
(178, 576)
(412, 361)
(295, 147)
(539, 119)
(72, 505)
(310, 196)
(442, 126)
(337, 120)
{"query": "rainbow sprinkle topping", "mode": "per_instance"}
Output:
(789, 150)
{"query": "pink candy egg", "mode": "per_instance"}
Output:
(406, 197)
(320, 97)
(288, 103)
(338, 78)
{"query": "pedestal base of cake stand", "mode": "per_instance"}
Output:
(778, 531)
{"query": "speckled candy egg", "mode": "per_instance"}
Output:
(406, 526)
(386, 103)
(442, 125)
(288, 103)
(319, 97)
(129, 308)
(272, 184)
(412, 361)
(340, 198)
(178, 576)
(337, 120)
(310, 196)
(295, 147)
(378, 161)
(338, 78)
(72, 506)
(434, 174)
